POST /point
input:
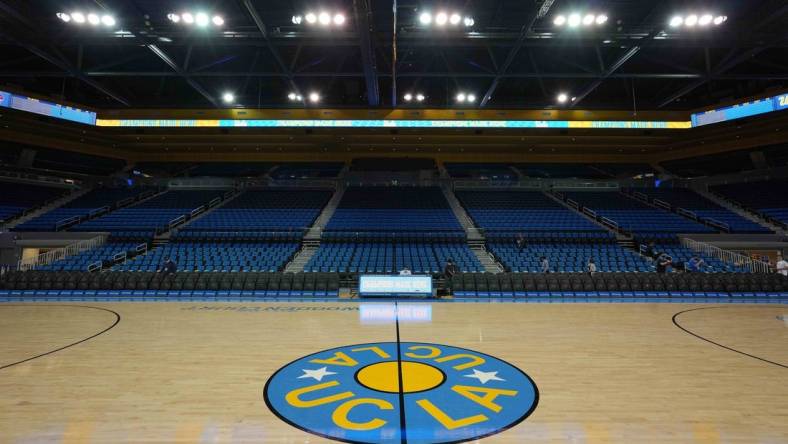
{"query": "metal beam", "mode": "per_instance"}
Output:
(432, 74)
(362, 15)
(716, 72)
(274, 51)
(525, 31)
(181, 73)
(613, 68)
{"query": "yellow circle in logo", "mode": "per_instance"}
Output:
(416, 377)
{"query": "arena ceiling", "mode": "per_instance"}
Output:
(513, 56)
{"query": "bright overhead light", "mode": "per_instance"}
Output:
(228, 97)
(574, 20)
(108, 20)
(455, 19)
(297, 19)
(408, 97)
(691, 20)
(78, 17)
(291, 96)
(562, 98)
(425, 18)
(468, 22)
(720, 19)
(601, 19)
(175, 18)
(188, 18)
(339, 19)
(93, 19)
(311, 18)
(217, 20)
(461, 97)
(676, 21)
(314, 97)
(324, 18)
(419, 97)
(63, 16)
(588, 19)
(559, 20)
(470, 98)
(201, 19)
(705, 20)
(441, 19)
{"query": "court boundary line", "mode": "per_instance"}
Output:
(675, 322)
(114, 324)
(402, 422)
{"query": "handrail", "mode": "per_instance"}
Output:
(98, 211)
(739, 260)
(197, 211)
(95, 266)
(119, 257)
(124, 202)
(178, 220)
(687, 213)
(573, 204)
(141, 248)
(589, 212)
(61, 253)
(609, 222)
(662, 204)
(640, 196)
(215, 201)
(66, 222)
(717, 224)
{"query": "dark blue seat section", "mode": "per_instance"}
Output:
(635, 216)
(768, 198)
(481, 171)
(527, 211)
(81, 207)
(307, 170)
(568, 257)
(680, 255)
(266, 210)
(390, 253)
(81, 261)
(238, 236)
(704, 208)
(16, 198)
(385, 229)
(152, 215)
(217, 257)
(229, 169)
(393, 209)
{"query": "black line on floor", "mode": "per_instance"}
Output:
(675, 322)
(402, 422)
(117, 320)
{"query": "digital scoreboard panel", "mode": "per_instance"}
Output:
(321, 123)
(382, 285)
(741, 110)
(31, 105)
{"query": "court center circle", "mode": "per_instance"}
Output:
(416, 377)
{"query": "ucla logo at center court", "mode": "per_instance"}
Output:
(410, 392)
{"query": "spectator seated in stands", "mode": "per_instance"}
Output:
(782, 265)
(694, 265)
(169, 267)
(405, 272)
(591, 267)
(544, 263)
(663, 262)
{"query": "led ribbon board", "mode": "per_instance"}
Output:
(373, 285)
(28, 104)
(741, 110)
(473, 124)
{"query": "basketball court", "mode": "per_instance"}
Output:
(303, 373)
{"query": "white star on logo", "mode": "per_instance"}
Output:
(317, 374)
(483, 377)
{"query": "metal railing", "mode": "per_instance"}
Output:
(66, 222)
(662, 204)
(97, 211)
(717, 224)
(573, 204)
(738, 260)
(640, 196)
(609, 222)
(177, 221)
(687, 213)
(61, 253)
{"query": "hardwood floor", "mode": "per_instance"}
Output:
(183, 372)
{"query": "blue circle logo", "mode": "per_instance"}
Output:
(407, 392)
